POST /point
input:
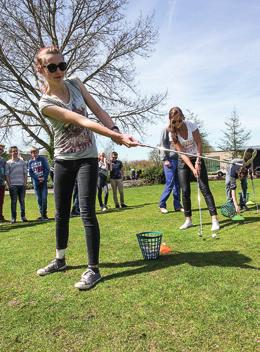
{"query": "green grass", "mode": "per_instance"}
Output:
(202, 297)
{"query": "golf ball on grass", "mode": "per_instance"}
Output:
(214, 235)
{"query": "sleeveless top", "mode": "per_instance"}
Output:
(71, 141)
(189, 145)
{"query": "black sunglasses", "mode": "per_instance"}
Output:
(176, 121)
(53, 67)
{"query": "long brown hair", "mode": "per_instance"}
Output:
(242, 173)
(175, 111)
(38, 63)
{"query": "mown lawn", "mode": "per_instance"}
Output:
(201, 297)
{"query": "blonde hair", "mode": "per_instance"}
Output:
(39, 60)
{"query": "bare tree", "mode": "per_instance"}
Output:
(235, 136)
(206, 147)
(99, 45)
(154, 157)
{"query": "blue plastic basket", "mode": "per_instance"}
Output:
(150, 243)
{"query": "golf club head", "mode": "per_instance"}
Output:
(249, 156)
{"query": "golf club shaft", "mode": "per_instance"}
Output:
(189, 154)
(199, 205)
(253, 187)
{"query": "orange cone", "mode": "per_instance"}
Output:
(165, 249)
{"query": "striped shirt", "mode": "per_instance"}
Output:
(16, 170)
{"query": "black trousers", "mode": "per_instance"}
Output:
(185, 177)
(66, 172)
(102, 186)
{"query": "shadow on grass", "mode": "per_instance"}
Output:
(7, 226)
(197, 259)
(229, 222)
(129, 207)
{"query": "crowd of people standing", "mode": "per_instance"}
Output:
(79, 173)
(15, 172)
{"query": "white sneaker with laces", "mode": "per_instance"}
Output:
(163, 210)
(186, 225)
(88, 280)
(215, 225)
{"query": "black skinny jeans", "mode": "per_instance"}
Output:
(185, 175)
(102, 186)
(66, 172)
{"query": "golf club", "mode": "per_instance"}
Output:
(189, 154)
(253, 188)
(200, 233)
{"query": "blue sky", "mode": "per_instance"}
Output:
(207, 58)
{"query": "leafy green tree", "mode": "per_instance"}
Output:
(235, 136)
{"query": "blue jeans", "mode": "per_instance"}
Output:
(171, 186)
(243, 194)
(242, 200)
(17, 192)
(41, 192)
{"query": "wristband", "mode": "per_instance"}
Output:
(115, 128)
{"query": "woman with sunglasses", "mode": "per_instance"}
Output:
(64, 103)
(185, 137)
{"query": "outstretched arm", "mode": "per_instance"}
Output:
(234, 198)
(67, 116)
(101, 114)
(197, 139)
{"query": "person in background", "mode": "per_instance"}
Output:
(116, 180)
(16, 177)
(52, 172)
(170, 168)
(65, 105)
(185, 137)
(133, 174)
(103, 167)
(2, 182)
(38, 168)
(234, 173)
(75, 211)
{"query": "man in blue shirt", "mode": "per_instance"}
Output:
(38, 168)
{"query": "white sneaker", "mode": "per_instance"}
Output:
(88, 279)
(186, 225)
(163, 210)
(180, 209)
(215, 225)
